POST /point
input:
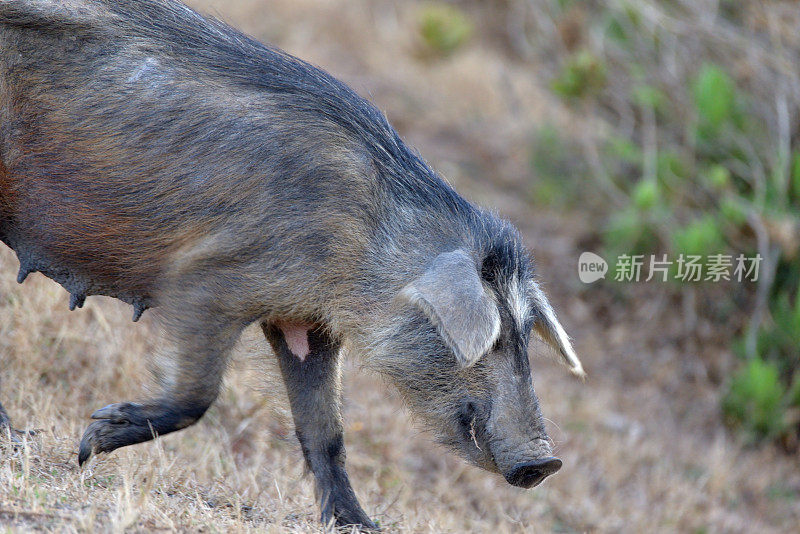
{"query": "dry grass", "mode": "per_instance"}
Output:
(643, 448)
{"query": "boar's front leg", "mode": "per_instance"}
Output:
(312, 379)
(191, 383)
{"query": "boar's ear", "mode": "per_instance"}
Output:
(451, 294)
(551, 332)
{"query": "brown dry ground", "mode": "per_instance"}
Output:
(642, 442)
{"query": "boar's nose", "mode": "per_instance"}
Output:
(530, 474)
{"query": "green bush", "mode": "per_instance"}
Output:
(648, 96)
(795, 189)
(444, 28)
(714, 98)
(558, 172)
(700, 237)
(756, 400)
(780, 339)
(711, 179)
(645, 195)
(582, 74)
(733, 210)
(627, 232)
(717, 177)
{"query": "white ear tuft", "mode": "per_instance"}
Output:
(551, 332)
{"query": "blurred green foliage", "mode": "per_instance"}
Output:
(444, 28)
(780, 340)
(630, 231)
(647, 96)
(553, 160)
(756, 400)
(582, 74)
(699, 237)
(645, 195)
(693, 169)
(715, 100)
(795, 193)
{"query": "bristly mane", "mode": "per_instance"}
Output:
(205, 42)
(505, 256)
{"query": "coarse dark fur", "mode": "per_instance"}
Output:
(163, 158)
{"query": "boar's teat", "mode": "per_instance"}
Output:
(451, 295)
(296, 336)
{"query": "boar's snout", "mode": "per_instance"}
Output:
(530, 474)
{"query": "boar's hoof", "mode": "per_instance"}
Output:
(348, 516)
(9, 432)
(117, 425)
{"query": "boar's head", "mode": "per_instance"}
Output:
(458, 352)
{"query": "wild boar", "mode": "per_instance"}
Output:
(163, 158)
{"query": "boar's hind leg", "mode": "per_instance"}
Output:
(191, 384)
(5, 425)
(314, 395)
(4, 421)
(7, 430)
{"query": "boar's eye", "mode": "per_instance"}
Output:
(466, 412)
